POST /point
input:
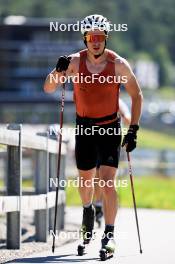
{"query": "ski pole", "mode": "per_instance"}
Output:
(134, 200)
(59, 161)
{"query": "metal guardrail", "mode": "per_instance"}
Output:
(14, 204)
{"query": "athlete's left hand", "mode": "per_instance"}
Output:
(130, 139)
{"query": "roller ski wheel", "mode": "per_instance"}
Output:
(81, 250)
(105, 254)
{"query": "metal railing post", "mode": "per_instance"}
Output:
(14, 187)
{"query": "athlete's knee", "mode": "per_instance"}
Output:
(108, 188)
(86, 184)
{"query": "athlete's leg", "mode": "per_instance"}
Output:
(110, 203)
(86, 194)
(86, 185)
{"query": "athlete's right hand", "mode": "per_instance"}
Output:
(63, 63)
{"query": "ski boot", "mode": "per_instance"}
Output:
(98, 215)
(107, 246)
(87, 228)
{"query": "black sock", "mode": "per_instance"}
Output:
(109, 229)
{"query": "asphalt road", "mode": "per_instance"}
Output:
(157, 236)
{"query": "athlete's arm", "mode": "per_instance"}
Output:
(132, 87)
(55, 78)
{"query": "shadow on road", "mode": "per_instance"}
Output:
(69, 258)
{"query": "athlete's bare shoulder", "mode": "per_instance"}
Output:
(122, 66)
(117, 59)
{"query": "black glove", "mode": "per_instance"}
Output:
(130, 139)
(63, 63)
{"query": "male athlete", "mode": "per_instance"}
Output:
(96, 99)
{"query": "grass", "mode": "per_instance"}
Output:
(155, 140)
(150, 192)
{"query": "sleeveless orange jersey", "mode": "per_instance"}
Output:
(95, 100)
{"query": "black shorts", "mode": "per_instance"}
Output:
(101, 146)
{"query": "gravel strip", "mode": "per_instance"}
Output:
(28, 245)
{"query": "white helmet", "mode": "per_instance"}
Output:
(93, 22)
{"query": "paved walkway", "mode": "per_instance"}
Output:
(157, 234)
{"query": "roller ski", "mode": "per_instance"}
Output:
(86, 229)
(98, 215)
(107, 246)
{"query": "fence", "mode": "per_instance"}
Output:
(42, 201)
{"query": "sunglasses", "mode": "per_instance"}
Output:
(95, 38)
